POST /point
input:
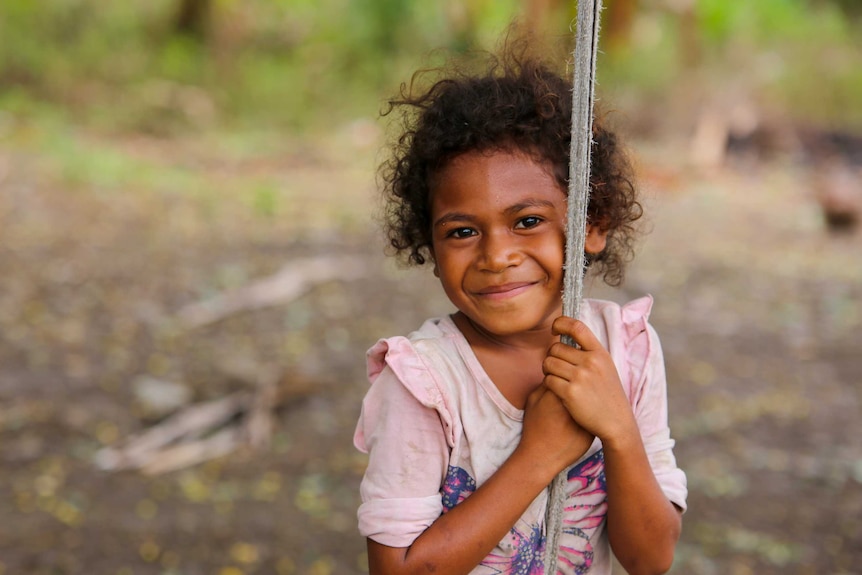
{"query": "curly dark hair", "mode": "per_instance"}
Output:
(517, 103)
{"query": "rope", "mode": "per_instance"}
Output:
(586, 48)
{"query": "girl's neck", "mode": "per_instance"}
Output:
(513, 363)
(525, 341)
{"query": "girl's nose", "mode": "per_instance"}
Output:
(497, 253)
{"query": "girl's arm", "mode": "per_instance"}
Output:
(461, 538)
(643, 525)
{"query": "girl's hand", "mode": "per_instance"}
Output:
(587, 382)
(550, 436)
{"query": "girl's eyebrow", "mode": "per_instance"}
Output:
(527, 204)
(454, 217)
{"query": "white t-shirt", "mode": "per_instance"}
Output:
(436, 427)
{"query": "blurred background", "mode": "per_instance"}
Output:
(191, 270)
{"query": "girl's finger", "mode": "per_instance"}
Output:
(578, 331)
(556, 384)
(557, 366)
(565, 352)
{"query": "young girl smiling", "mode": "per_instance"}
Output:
(470, 418)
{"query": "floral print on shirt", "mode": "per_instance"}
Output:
(522, 551)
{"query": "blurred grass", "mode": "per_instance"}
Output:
(288, 63)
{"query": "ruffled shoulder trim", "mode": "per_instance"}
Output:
(631, 317)
(411, 360)
(635, 315)
(626, 331)
(400, 355)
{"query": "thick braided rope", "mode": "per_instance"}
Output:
(586, 48)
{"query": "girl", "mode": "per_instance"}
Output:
(470, 418)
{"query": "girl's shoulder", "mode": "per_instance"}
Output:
(429, 363)
(618, 323)
(437, 338)
(626, 333)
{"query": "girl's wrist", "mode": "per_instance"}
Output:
(540, 470)
(622, 438)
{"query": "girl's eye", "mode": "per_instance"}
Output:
(462, 233)
(528, 222)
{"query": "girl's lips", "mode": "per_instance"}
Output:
(504, 290)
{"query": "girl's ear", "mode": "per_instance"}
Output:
(433, 259)
(596, 239)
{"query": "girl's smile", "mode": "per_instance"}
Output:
(505, 291)
(498, 235)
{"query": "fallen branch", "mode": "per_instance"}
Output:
(188, 454)
(187, 424)
(208, 430)
(289, 283)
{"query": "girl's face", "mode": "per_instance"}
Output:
(498, 235)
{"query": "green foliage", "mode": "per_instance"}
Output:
(767, 22)
(793, 57)
(649, 66)
(297, 63)
(277, 62)
(802, 57)
(54, 43)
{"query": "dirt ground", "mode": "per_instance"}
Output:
(757, 305)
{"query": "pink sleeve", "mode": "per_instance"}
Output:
(649, 401)
(402, 431)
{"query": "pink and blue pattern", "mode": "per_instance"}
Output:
(523, 550)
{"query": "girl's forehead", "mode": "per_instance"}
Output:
(511, 151)
(494, 179)
(493, 160)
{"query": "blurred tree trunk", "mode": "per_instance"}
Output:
(617, 20)
(537, 13)
(689, 33)
(852, 8)
(617, 23)
(193, 18)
